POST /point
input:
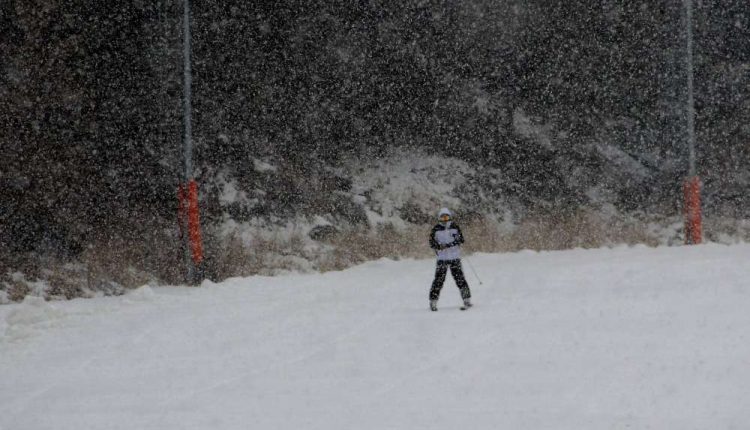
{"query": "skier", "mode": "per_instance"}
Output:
(446, 239)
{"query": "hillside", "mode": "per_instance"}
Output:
(554, 112)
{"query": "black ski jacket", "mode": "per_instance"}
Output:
(445, 239)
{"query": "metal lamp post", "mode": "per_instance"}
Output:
(692, 186)
(187, 82)
(189, 211)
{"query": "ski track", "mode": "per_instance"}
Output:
(278, 365)
(441, 361)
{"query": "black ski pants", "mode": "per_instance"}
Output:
(458, 276)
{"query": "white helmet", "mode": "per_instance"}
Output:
(445, 215)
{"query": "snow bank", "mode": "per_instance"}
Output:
(142, 294)
(34, 314)
(400, 191)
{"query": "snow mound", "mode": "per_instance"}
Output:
(32, 315)
(142, 294)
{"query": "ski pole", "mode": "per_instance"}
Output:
(473, 270)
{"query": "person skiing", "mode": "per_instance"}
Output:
(446, 240)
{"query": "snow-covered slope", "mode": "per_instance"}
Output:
(598, 339)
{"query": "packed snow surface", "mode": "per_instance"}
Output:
(635, 338)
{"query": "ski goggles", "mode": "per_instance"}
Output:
(445, 217)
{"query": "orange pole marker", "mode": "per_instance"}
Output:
(194, 223)
(693, 218)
